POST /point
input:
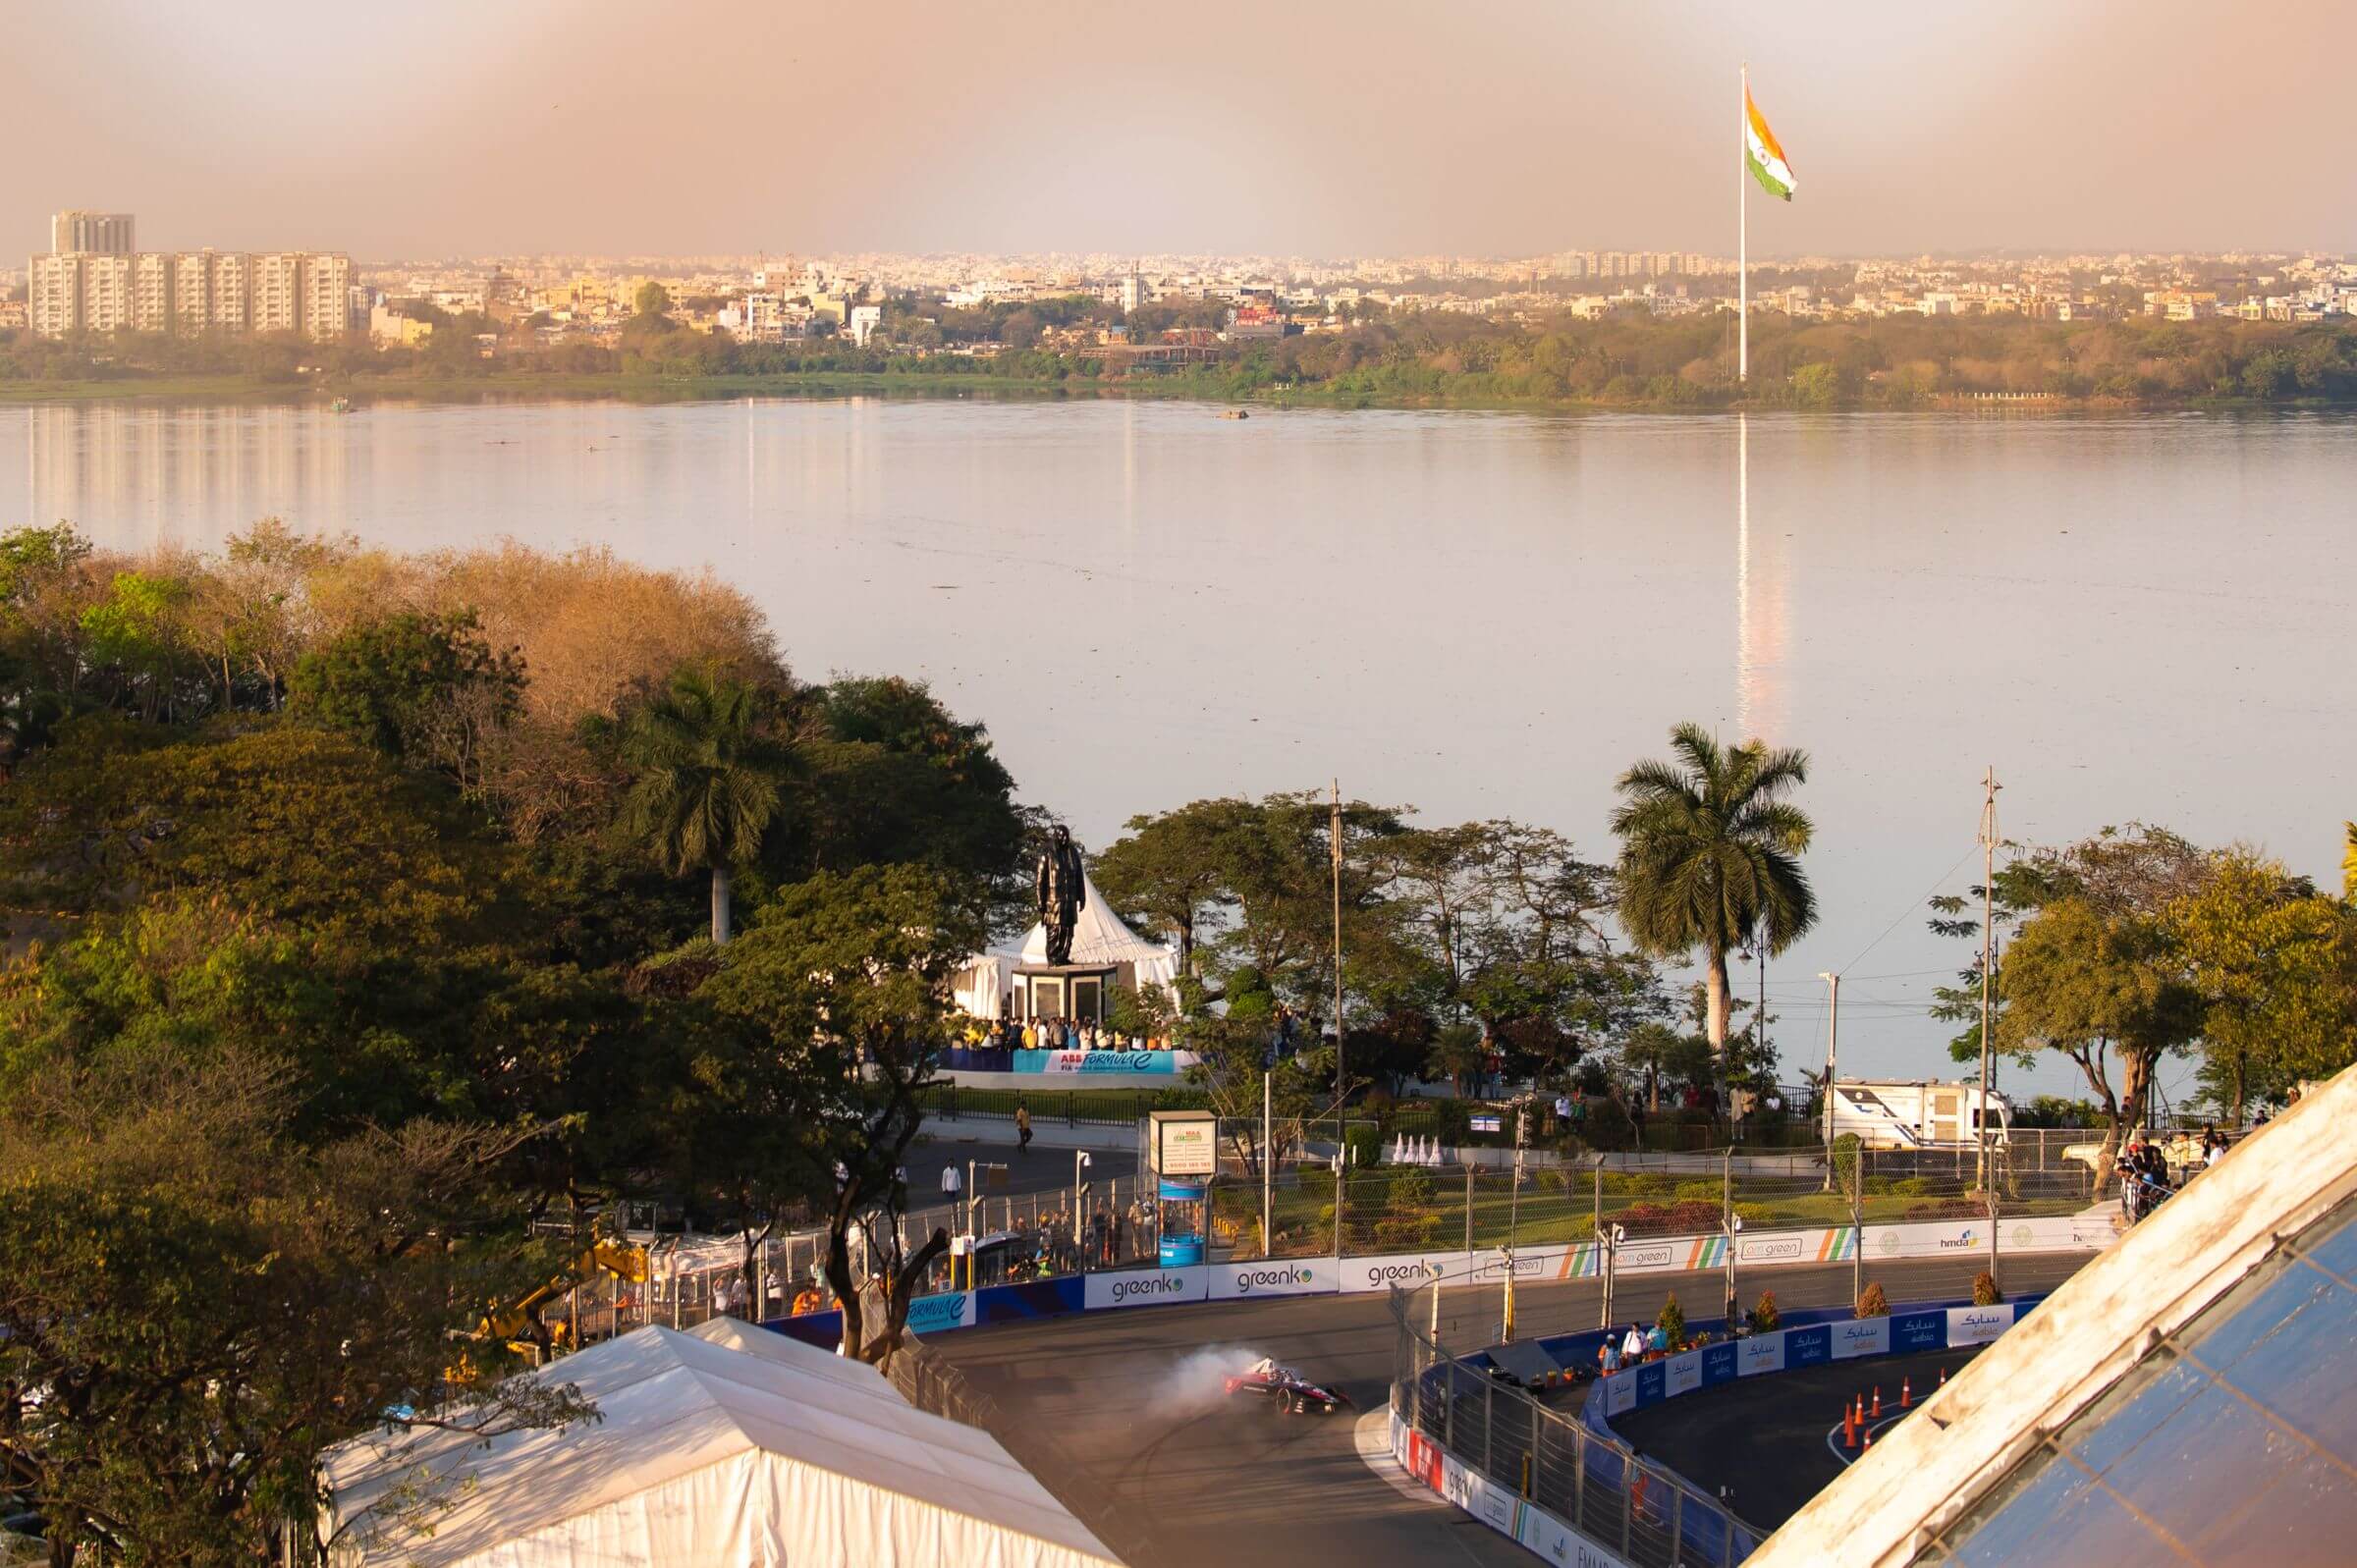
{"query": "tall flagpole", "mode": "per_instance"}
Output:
(1743, 229)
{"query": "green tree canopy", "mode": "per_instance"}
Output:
(1710, 855)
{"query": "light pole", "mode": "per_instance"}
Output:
(1832, 1074)
(1081, 1161)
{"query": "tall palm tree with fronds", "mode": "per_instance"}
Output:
(1710, 855)
(707, 782)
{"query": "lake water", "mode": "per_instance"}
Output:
(1477, 614)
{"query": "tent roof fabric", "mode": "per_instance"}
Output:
(1098, 937)
(851, 1467)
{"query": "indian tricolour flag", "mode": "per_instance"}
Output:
(1762, 154)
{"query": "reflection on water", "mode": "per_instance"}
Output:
(1482, 615)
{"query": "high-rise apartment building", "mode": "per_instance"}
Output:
(151, 291)
(326, 301)
(94, 280)
(228, 285)
(53, 295)
(74, 232)
(191, 292)
(276, 281)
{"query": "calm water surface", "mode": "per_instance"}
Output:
(1481, 615)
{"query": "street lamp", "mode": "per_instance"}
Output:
(1080, 1162)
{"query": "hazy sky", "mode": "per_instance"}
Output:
(1312, 127)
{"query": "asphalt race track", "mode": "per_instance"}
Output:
(1763, 1438)
(1230, 1484)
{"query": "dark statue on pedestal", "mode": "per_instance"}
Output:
(1058, 886)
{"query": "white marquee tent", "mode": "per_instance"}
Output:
(1099, 939)
(725, 1447)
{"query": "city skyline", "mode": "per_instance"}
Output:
(1518, 130)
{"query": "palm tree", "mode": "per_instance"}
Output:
(707, 779)
(1710, 855)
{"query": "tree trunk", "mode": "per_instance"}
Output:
(1716, 1024)
(2136, 1086)
(719, 905)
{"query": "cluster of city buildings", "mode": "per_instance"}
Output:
(94, 278)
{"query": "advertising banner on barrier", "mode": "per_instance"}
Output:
(1808, 1347)
(1278, 1276)
(1760, 1353)
(1117, 1064)
(1718, 1362)
(1407, 1269)
(1868, 1336)
(1918, 1331)
(1423, 1457)
(1620, 1393)
(929, 1314)
(1940, 1239)
(1145, 1287)
(1682, 1373)
(1555, 1543)
(1466, 1488)
(1978, 1326)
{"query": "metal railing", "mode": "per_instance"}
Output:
(1649, 1516)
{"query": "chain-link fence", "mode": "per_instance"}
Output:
(1545, 1455)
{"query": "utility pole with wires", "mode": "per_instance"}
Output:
(1988, 961)
(1335, 846)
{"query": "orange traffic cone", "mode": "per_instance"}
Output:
(1878, 1401)
(1944, 1376)
(1907, 1392)
(1849, 1427)
(1870, 1437)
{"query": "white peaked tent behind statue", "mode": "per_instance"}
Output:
(725, 1445)
(1099, 940)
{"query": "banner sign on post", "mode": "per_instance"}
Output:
(1145, 1287)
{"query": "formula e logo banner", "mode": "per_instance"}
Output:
(1760, 1353)
(1978, 1326)
(1869, 1336)
(1280, 1277)
(1132, 1062)
(932, 1314)
(1146, 1288)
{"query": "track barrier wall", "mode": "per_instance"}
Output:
(1249, 1279)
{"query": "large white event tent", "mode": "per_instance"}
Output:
(1100, 940)
(726, 1446)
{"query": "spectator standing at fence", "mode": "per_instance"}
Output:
(1607, 1355)
(951, 1182)
(1632, 1347)
(1022, 1128)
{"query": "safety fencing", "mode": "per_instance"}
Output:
(1564, 1483)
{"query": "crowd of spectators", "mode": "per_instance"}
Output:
(2150, 1170)
(1055, 1034)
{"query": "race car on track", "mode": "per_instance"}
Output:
(1294, 1394)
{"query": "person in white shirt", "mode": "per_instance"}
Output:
(1632, 1348)
(948, 1181)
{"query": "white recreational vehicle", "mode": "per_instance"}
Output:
(1926, 1114)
